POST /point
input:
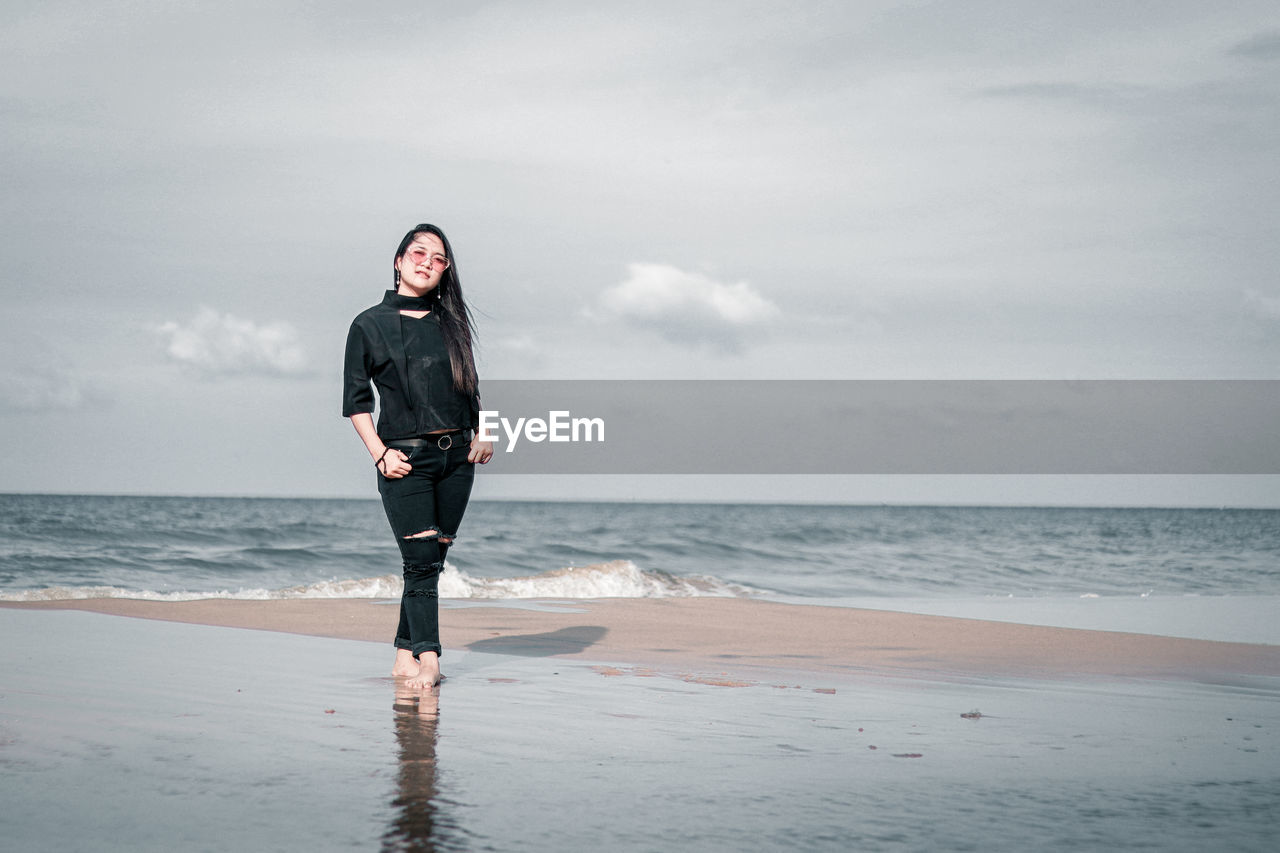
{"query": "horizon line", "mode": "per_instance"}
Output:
(649, 501)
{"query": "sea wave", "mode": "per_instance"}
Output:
(614, 579)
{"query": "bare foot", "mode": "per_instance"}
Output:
(405, 665)
(428, 674)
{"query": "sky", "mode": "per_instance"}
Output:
(199, 198)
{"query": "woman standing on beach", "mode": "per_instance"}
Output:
(416, 347)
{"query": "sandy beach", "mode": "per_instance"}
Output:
(698, 724)
(738, 635)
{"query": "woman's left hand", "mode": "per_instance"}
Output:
(481, 451)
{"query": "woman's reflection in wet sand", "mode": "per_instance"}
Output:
(416, 825)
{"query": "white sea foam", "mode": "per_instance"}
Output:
(615, 579)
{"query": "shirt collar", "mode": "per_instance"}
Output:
(401, 302)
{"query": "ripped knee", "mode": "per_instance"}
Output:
(420, 580)
(425, 548)
(420, 550)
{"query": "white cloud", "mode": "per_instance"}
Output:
(687, 307)
(222, 344)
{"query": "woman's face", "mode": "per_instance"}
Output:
(422, 265)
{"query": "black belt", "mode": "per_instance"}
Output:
(443, 440)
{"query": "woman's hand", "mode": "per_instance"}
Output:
(481, 451)
(394, 464)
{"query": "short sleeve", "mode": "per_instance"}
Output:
(357, 393)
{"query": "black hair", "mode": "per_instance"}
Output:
(455, 317)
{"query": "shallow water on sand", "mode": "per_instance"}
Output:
(171, 736)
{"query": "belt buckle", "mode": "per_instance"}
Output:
(442, 438)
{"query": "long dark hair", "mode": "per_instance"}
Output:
(455, 317)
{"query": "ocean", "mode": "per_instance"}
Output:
(1210, 573)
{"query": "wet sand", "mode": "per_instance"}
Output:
(741, 724)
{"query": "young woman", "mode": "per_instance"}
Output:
(415, 348)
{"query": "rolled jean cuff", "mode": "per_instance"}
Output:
(419, 648)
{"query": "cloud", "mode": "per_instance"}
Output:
(523, 346)
(1082, 93)
(687, 307)
(1265, 45)
(517, 352)
(49, 391)
(1266, 307)
(223, 345)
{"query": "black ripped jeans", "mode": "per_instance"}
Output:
(431, 498)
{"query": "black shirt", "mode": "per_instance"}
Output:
(407, 361)
(440, 406)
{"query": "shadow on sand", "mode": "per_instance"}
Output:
(563, 642)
